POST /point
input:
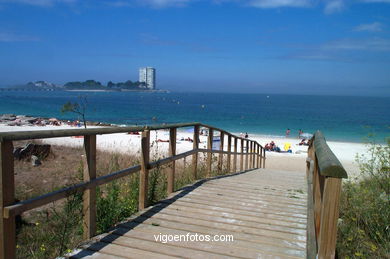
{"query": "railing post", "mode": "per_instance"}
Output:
(242, 156)
(144, 173)
(263, 157)
(229, 156)
(260, 157)
(250, 154)
(220, 157)
(254, 155)
(172, 152)
(209, 154)
(195, 156)
(258, 165)
(89, 195)
(235, 155)
(7, 197)
(318, 184)
(247, 156)
(329, 218)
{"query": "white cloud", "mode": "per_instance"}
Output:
(373, 44)
(42, 3)
(370, 27)
(9, 37)
(279, 3)
(334, 6)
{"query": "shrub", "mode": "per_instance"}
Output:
(364, 231)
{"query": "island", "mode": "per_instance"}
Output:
(88, 85)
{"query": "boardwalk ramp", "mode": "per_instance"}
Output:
(264, 211)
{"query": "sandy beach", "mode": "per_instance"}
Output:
(127, 143)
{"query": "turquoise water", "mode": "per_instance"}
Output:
(340, 118)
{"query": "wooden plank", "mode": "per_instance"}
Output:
(40, 134)
(255, 215)
(195, 155)
(220, 157)
(254, 244)
(167, 225)
(217, 249)
(229, 156)
(168, 160)
(89, 195)
(144, 173)
(329, 218)
(242, 156)
(235, 155)
(230, 227)
(7, 197)
(172, 152)
(187, 213)
(158, 247)
(209, 154)
(120, 251)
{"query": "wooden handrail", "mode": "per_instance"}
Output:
(10, 209)
(324, 174)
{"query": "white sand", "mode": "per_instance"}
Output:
(126, 143)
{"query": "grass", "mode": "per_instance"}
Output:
(364, 229)
(54, 229)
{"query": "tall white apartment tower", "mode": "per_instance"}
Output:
(147, 75)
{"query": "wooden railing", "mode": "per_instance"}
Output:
(324, 174)
(10, 209)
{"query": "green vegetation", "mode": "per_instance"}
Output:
(55, 229)
(78, 108)
(87, 85)
(364, 231)
(95, 85)
(129, 85)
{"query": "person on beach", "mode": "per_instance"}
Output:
(300, 132)
(246, 135)
(288, 132)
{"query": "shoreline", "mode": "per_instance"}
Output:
(129, 143)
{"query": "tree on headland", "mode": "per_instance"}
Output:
(78, 108)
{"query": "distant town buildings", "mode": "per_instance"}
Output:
(147, 75)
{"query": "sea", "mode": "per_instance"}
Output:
(340, 118)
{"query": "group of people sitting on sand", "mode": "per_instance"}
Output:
(273, 147)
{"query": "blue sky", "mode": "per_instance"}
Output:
(336, 47)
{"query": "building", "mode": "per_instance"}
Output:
(147, 75)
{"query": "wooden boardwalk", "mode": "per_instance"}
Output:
(265, 211)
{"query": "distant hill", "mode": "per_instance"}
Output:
(86, 85)
(95, 85)
(38, 85)
(79, 85)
